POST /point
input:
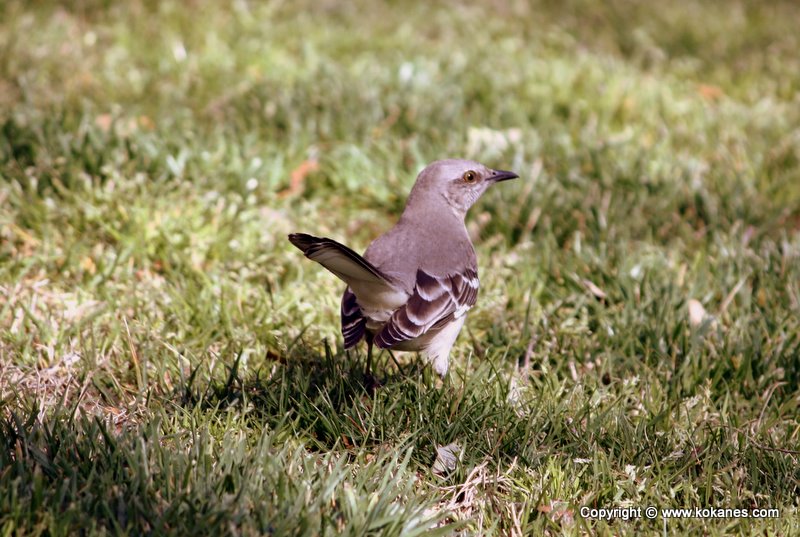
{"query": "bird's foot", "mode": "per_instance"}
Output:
(371, 382)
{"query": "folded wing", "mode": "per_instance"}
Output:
(436, 301)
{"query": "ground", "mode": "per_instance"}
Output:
(169, 363)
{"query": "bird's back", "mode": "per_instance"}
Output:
(409, 247)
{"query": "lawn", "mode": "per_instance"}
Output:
(170, 364)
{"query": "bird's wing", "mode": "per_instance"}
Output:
(436, 301)
(353, 321)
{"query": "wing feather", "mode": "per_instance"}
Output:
(435, 302)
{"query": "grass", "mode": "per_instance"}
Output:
(169, 364)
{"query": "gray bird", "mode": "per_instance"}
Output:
(413, 286)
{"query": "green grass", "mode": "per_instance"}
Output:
(170, 364)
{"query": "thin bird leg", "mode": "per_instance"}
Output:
(400, 369)
(368, 370)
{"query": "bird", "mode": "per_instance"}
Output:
(413, 286)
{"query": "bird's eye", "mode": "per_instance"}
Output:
(470, 177)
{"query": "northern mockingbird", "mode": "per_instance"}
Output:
(413, 286)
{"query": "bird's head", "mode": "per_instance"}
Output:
(458, 182)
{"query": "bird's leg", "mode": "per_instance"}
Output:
(368, 370)
(396, 363)
(370, 381)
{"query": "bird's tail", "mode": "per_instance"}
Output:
(374, 290)
(339, 259)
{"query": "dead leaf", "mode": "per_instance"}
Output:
(298, 177)
(729, 298)
(87, 264)
(761, 297)
(596, 291)
(146, 123)
(710, 92)
(697, 313)
(446, 458)
(558, 511)
(682, 274)
(104, 121)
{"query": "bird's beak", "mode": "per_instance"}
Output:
(500, 175)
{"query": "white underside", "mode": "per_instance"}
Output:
(435, 345)
(438, 349)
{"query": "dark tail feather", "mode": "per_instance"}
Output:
(330, 254)
(353, 321)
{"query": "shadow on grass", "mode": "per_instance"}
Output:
(67, 475)
(324, 399)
